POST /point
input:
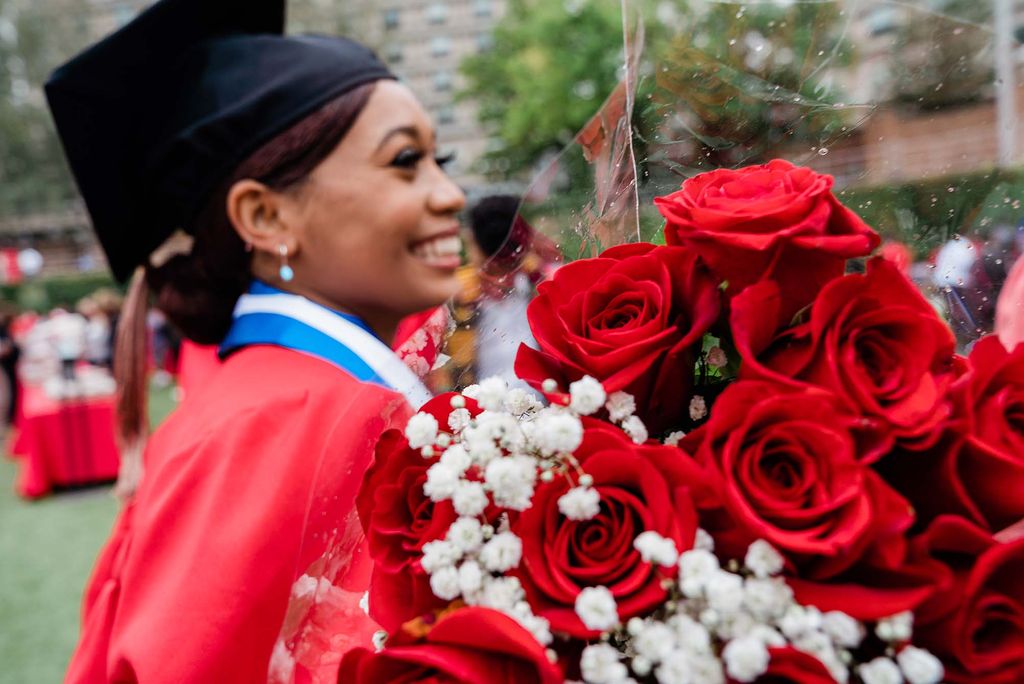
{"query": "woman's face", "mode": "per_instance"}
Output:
(375, 228)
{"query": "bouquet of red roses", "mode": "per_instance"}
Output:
(750, 467)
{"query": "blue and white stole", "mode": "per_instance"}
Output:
(266, 315)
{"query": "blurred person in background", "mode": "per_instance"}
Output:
(109, 302)
(97, 332)
(10, 352)
(964, 287)
(511, 259)
(998, 255)
(163, 345)
(66, 334)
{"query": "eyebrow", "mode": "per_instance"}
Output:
(408, 130)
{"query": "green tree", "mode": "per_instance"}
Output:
(739, 79)
(550, 66)
(33, 174)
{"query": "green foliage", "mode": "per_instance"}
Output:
(924, 214)
(33, 174)
(45, 293)
(740, 78)
(551, 65)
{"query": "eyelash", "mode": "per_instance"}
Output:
(406, 159)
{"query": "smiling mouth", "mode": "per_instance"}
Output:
(444, 251)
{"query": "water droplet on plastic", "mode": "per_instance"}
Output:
(823, 151)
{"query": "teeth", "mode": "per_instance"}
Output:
(439, 247)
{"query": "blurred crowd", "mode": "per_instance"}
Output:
(67, 351)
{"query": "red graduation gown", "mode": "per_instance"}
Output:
(242, 542)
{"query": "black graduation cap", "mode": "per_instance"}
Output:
(154, 117)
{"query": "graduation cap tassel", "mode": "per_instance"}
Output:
(131, 363)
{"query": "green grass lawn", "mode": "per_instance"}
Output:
(47, 550)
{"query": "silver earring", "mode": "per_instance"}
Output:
(285, 271)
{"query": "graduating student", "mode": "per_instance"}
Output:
(306, 177)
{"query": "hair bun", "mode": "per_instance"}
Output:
(198, 304)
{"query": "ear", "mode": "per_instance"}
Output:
(255, 211)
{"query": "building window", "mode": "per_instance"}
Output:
(437, 13)
(482, 8)
(484, 42)
(443, 80)
(446, 116)
(393, 54)
(440, 46)
(391, 17)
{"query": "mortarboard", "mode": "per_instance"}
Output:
(154, 117)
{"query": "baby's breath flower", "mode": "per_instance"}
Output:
(654, 548)
(580, 503)
(620, 406)
(635, 428)
(502, 552)
(698, 408)
(596, 607)
(421, 430)
(587, 396)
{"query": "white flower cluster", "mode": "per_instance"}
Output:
(721, 623)
(912, 665)
(492, 462)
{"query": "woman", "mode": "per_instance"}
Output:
(320, 218)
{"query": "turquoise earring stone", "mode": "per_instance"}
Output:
(286, 273)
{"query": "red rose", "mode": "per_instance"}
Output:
(995, 394)
(633, 318)
(977, 468)
(976, 626)
(646, 487)
(466, 646)
(871, 339)
(991, 463)
(790, 666)
(399, 519)
(789, 468)
(775, 222)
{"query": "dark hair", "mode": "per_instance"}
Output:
(491, 220)
(198, 291)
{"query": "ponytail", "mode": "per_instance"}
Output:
(131, 363)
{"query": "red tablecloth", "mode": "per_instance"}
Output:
(62, 443)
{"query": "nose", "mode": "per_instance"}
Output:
(446, 197)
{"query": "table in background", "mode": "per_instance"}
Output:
(62, 443)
